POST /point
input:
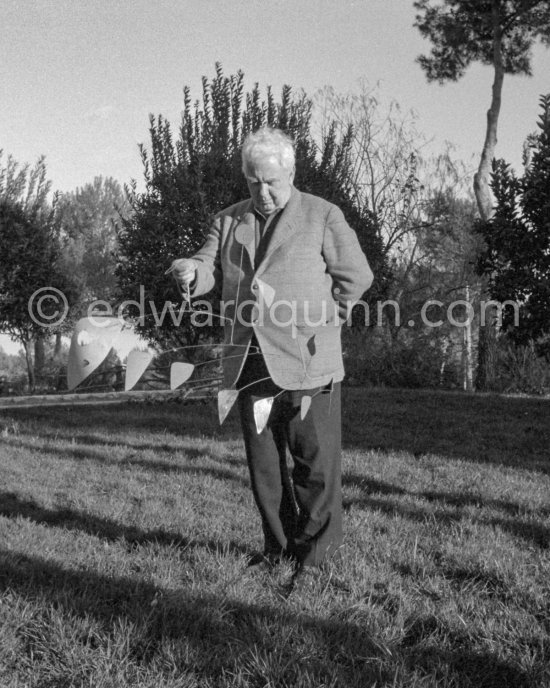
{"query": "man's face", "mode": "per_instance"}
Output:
(269, 183)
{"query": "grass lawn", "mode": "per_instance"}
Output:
(124, 533)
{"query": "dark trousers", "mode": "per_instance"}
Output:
(301, 509)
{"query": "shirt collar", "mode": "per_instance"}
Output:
(271, 215)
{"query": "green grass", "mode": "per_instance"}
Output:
(124, 532)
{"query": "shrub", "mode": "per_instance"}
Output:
(520, 369)
(419, 360)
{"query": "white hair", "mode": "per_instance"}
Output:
(269, 141)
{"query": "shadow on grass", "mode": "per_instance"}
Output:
(220, 635)
(489, 583)
(480, 428)
(445, 507)
(460, 499)
(133, 460)
(223, 637)
(427, 637)
(179, 445)
(13, 506)
(193, 419)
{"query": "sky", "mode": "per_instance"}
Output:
(78, 78)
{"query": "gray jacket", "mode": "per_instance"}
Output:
(297, 298)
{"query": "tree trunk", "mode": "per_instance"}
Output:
(57, 346)
(444, 361)
(30, 364)
(468, 381)
(481, 178)
(39, 360)
(487, 332)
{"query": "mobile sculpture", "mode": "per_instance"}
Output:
(95, 337)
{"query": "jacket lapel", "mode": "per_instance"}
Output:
(287, 224)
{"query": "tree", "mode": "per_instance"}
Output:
(30, 259)
(423, 214)
(87, 219)
(12, 371)
(516, 257)
(435, 265)
(189, 180)
(500, 33)
(26, 187)
(444, 271)
(385, 154)
(30, 253)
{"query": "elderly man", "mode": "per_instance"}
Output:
(290, 269)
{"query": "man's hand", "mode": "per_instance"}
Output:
(184, 271)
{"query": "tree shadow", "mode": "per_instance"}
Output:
(12, 506)
(428, 639)
(533, 533)
(489, 583)
(513, 431)
(460, 499)
(370, 485)
(218, 641)
(393, 507)
(472, 499)
(97, 455)
(192, 418)
(224, 633)
(385, 497)
(180, 445)
(480, 428)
